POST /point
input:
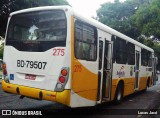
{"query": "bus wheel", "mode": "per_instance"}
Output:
(148, 81)
(119, 94)
(147, 85)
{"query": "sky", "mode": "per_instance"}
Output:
(87, 7)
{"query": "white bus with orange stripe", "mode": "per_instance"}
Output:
(52, 53)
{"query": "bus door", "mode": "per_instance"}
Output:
(154, 64)
(137, 69)
(105, 70)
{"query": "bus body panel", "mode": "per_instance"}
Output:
(43, 85)
(84, 77)
(78, 100)
(47, 69)
(84, 82)
(60, 97)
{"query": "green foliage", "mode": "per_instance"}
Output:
(118, 15)
(147, 19)
(149, 43)
(115, 16)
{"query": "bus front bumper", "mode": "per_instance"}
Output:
(61, 97)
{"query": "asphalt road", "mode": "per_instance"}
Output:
(130, 106)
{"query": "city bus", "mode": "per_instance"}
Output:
(53, 53)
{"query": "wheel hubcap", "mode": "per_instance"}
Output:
(119, 95)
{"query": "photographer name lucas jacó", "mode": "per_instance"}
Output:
(147, 112)
(15, 112)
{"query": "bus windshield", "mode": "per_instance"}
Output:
(37, 28)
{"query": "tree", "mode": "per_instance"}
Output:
(118, 16)
(147, 19)
(8, 6)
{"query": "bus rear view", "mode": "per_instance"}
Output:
(53, 53)
(36, 58)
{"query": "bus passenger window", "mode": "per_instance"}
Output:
(86, 49)
(121, 53)
(149, 59)
(131, 53)
(85, 41)
(144, 57)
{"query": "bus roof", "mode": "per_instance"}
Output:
(63, 7)
(89, 20)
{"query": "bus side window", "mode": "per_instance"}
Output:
(85, 41)
(144, 57)
(131, 53)
(121, 53)
(149, 59)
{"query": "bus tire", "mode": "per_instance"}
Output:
(148, 82)
(147, 85)
(119, 94)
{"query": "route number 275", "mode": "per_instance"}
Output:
(77, 68)
(58, 52)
